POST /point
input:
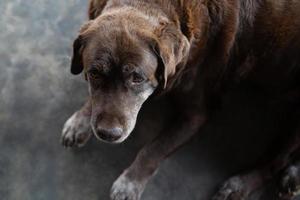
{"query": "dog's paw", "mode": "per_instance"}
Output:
(76, 131)
(290, 183)
(233, 189)
(126, 189)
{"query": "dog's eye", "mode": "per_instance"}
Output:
(137, 78)
(94, 74)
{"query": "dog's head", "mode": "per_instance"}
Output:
(125, 57)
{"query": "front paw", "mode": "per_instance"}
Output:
(290, 183)
(76, 131)
(126, 189)
(233, 189)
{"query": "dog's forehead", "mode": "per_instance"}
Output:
(119, 54)
(116, 57)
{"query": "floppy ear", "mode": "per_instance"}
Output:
(172, 48)
(77, 64)
(78, 45)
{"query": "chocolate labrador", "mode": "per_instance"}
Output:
(191, 50)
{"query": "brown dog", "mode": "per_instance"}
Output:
(190, 49)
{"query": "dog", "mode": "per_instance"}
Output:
(192, 51)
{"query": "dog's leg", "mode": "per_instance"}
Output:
(130, 185)
(241, 186)
(77, 130)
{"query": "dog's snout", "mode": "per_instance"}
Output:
(109, 134)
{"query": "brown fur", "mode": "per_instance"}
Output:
(247, 33)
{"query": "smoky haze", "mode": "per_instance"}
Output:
(38, 94)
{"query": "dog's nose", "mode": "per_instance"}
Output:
(109, 135)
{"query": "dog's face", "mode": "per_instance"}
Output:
(121, 67)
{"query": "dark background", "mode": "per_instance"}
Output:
(38, 94)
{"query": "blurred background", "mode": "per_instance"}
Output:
(38, 94)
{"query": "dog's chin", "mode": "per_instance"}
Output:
(122, 139)
(118, 141)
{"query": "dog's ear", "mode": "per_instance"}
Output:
(77, 64)
(78, 46)
(172, 48)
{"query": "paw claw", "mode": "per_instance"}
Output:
(289, 185)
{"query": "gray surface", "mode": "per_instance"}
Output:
(38, 94)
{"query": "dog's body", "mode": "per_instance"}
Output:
(191, 50)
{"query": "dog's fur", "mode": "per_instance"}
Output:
(192, 50)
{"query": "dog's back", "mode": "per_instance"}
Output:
(269, 43)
